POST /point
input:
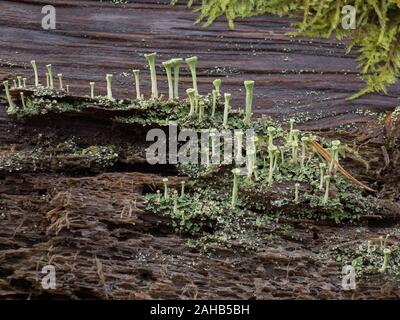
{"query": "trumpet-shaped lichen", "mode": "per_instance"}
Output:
(214, 102)
(11, 108)
(249, 85)
(50, 75)
(168, 69)
(151, 60)
(296, 192)
(386, 254)
(136, 74)
(109, 78)
(192, 96)
(19, 79)
(35, 70)
(60, 80)
(176, 64)
(236, 173)
(327, 180)
(217, 86)
(92, 84)
(192, 62)
(227, 107)
(23, 100)
(165, 181)
(182, 189)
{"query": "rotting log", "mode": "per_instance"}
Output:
(311, 77)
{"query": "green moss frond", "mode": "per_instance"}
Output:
(376, 37)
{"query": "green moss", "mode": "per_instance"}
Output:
(377, 35)
(41, 157)
(209, 221)
(366, 257)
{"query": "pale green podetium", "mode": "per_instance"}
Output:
(333, 163)
(11, 108)
(236, 173)
(216, 93)
(227, 106)
(272, 151)
(24, 83)
(214, 102)
(176, 64)
(50, 73)
(168, 69)
(92, 84)
(158, 196)
(196, 103)
(249, 85)
(296, 192)
(335, 156)
(136, 74)
(322, 168)
(369, 249)
(191, 62)
(47, 80)
(60, 80)
(34, 66)
(182, 189)
(109, 78)
(327, 180)
(175, 198)
(151, 60)
(67, 88)
(165, 181)
(271, 134)
(191, 95)
(201, 109)
(295, 135)
(23, 100)
(336, 143)
(386, 254)
(294, 145)
(19, 79)
(217, 85)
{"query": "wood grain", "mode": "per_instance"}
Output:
(310, 78)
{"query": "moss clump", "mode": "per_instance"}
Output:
(207, 218)
(367, 257)
(45, 100)
(377, 32)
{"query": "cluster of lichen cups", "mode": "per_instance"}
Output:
(261, 165)
(172, 70)
(289, 151)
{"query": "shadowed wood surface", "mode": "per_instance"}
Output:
(310, 78)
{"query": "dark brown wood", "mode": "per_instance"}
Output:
(294, 76)
(59, 206)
